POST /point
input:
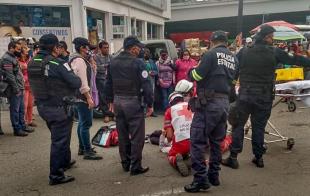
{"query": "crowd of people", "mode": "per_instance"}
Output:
(195, 98)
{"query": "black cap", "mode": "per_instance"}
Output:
(265, 30)
(80, 41)
(49, 39)
(219, 36)
(132, 41)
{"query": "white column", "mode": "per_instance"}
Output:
(78, 19)
(135, 26)
(161, 32)
(144, 30)
(109, 26)
(127, 26)
(84, 22)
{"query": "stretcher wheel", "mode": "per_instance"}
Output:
(291, 106)
(290, 143)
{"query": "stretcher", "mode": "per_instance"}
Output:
(289, 91)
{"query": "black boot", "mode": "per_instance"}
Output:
(1, 132)
(231, 162)
(196, 187)
(259, 162)
(63, 180)
(142, 170)
(214, 179)
(90, 155)
(20, 133)
(29, 129)
(81, 151)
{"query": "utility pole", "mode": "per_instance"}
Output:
(240, 17)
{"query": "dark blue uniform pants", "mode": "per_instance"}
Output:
(60, 126)
(130, 124)
(259, 112)
(208, 126)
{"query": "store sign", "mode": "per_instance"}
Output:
(63, 33)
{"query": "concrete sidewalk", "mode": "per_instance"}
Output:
(24, 165)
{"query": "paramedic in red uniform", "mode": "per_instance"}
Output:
(177, 122)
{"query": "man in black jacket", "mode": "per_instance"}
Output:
(13, 76)
(53, 84)
(128, 88)
(257, 76)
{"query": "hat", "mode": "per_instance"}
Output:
(49, 39)
(183, 86)
(80, 41)
(219, 36)
(132, 41)
(248, 40)
(265, 30)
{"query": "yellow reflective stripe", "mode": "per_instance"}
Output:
(54, 62)
(37, 59)
(196, 76)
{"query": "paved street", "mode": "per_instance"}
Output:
(24, 166)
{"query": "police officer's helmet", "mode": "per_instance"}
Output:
(173, 96)
(184, 86)
(49, 40)
(219, 36)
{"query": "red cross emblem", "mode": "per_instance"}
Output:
(185, 112)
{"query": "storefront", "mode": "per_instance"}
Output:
(109, 20)
(34, 21)
(95, 26)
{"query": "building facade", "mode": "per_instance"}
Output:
(211, 15)
(111, 20)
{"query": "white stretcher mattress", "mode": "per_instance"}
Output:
(293, 86)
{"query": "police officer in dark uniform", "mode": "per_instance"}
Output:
(257, 76)
(214, 78)
(53, 84)
(129, 88)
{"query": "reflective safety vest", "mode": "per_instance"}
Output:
(181, 121)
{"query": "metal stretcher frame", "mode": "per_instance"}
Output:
(275, 133)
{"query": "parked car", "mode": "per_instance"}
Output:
(155, 46)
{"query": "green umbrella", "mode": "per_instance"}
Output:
(285, 33)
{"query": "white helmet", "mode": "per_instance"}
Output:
(174, 95)
(183, 86)
(248, 40)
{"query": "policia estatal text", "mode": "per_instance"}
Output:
(214, 78)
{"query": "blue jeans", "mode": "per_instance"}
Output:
(165, 95)
(17, 112)
(85, 122)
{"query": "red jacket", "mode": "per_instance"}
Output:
(182, 67)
